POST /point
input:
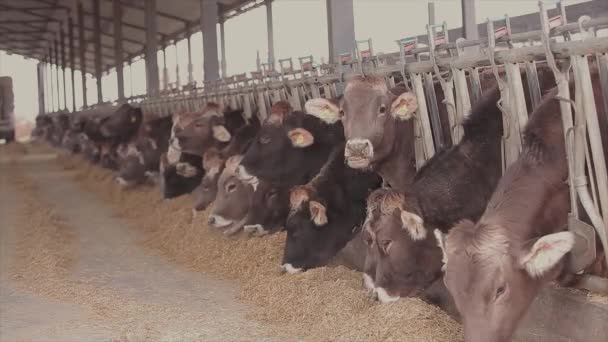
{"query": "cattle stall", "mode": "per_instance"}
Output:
(447, 77)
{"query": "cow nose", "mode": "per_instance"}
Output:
(211, 220)
(359, 147)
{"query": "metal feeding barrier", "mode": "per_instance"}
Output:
(445, 65)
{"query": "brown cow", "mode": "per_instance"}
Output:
(495, 268)
(377, 126)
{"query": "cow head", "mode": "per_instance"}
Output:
(368, 111)
(315, 232)
(205, 193)
(180, 173)
(196, 132)
(407, 259)
(493, 278)
(268, 209)
(233, 199)
(123, 124)
(290, 153)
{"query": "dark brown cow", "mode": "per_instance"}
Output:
(495, 268)
(377, 126)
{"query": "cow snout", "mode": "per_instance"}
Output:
(218, 221)
(358, 153)
(288, 268)
(384, 297)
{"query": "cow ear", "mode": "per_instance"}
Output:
(300, 137)
(318, 213)
(440, 237)
(324, 109)
(546, 252)
(404, 106)
(220, 133)
(414, 225)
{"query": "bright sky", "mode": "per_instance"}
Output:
(300, 29)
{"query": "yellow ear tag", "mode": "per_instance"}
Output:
(300, 140)
(402, 108)
(132, 119)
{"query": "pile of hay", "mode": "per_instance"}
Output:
(323, 304)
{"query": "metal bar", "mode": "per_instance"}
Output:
(223, 49)
(159, 13)
(165, 70)
(72, 61)
(341, 27)
(51, 82)
(469, 25)
(270, 32)
(118, 52)
(82, 48)
(152, 82)
(190, 67)
(97, 41)
(57, 61)
(63, 63)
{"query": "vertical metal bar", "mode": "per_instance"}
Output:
(223, 48)
(476, 91)
(57, 61)
(190, 67)
(165, 70)
(152, 82)
(72, 61)
(177, 78)
(533, 85)
(40, 74)
(270, 32)
(51, 82)
(118, 49)
(209, 19)
(469, 25)
(423, 120)
(431, 11)
(97, 40)
(63, 63)
(83, 49)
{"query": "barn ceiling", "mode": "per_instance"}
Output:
(31, 27)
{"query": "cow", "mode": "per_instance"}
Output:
(122, 125)
(377, 126)
(261, 208)
(140, 158)
(397, 227)
(289, 149)
(494, 268)
(213, 163)
(179, 176)
(326, 213)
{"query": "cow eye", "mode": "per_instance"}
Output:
(385, 245)
(341, 112)
(231, 187)
(382, 109)
(500, 291)
(264, 139)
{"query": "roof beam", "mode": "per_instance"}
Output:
(125, 24)
(159, 13)
(111, 36)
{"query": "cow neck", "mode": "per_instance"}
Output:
(398, 168)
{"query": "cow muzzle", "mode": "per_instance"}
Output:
(358, 153)
(218, 221)
(288, 268)
(385, 297)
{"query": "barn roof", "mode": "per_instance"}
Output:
(31, 27)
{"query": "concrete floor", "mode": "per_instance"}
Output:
(118, 291)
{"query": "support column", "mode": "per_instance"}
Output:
(209, 20)
(57, 74)
(40, 73)
(341, 27)
(469, 25)
(178, 83)
(51, 83)
(63, 63)
(83, 48)
(97, 39)
(190, 67)
(270, 31)
(152, 82)
(223, 49)
(118, 51)
(431, 8)
(72, 61)
(165, 70)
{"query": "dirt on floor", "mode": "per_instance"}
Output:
(324, 304)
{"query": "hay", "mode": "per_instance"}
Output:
(325, 304)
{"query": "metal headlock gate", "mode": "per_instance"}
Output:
(502, 55)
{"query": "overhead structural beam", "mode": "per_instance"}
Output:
(159, 13)
(152, 81)
(341, 27)
(83, 49)
(161, 35)
(118, 53)
(105, 34)
(97, 35)
(270, 31)
(209, 20)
